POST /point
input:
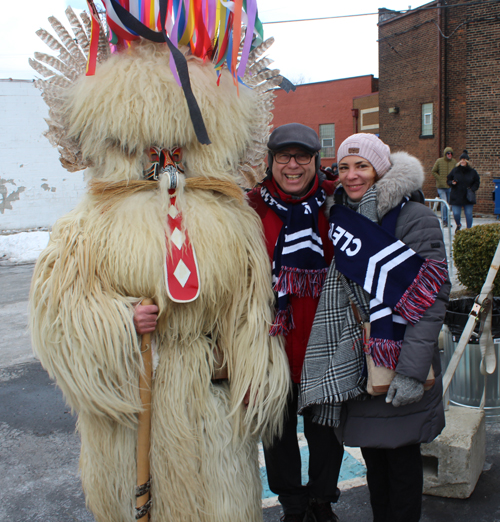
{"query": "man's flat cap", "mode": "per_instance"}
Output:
(294, 134)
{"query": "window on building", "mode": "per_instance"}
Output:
(427, 112)
(368, 119)
(327, 139)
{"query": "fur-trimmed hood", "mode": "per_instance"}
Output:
(404, 177)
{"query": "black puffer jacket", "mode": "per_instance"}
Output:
(465, 177)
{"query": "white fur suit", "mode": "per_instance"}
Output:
(109, 253)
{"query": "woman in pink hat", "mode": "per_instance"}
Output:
(382, 306)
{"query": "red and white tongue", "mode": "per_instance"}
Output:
(182, 275)
(181, 267)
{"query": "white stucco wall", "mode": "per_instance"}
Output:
(35, 189)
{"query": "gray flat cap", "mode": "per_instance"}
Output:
(294, 134)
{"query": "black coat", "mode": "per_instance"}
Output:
(466, 177)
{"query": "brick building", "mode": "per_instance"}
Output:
(439, 86)
(327, 107)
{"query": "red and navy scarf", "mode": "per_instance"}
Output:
(402, 285)
(299, 266)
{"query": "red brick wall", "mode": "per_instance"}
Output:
(455, 79)
(408, 78)
(314, 104)
(470, 90)
(479, 70)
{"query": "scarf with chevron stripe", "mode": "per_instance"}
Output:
(299, 265)
(334, 368)
(401, 284)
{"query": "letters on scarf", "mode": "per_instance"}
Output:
(402, 285)
(299, 266)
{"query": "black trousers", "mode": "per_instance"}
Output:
(283, 463)
(395, 480)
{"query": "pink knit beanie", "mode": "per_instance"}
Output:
(369, 147)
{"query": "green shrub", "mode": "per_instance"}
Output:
(473, 250)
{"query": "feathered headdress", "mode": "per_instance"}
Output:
(211, 29)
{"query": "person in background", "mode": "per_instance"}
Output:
(440, 171)
(464, 182)
(384, 301)
(291, 202)
(335, 170)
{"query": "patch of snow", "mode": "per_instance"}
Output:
(24, 247)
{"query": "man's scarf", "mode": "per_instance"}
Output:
(402, 285)
(299, 266)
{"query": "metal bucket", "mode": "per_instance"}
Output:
(467, 385)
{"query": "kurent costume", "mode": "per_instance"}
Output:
(296, 232)
(465, 177)
(390, 266)
(440, 171)
(131, 237)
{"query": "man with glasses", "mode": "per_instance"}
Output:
(291, 204)
(440, 171)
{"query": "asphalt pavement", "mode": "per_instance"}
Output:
(39, 448)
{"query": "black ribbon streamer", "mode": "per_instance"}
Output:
(287, 85)
(180, 62)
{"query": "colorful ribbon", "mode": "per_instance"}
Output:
(94, 39)
(204, 25)
(211, 29)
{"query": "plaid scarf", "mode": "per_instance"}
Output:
(333, 370)
(299, 266)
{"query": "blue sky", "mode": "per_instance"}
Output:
(303, 51)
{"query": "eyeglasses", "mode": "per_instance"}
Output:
(449, 153)
(302, 158)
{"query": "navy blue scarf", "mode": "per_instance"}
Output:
(299, 266)
(402, 285)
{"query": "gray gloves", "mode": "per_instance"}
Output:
(404, 390)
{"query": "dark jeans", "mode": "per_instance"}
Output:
(283, 463)
(395, 480)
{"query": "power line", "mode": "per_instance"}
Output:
(320, 18)
(372, 14)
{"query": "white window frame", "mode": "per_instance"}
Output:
(372, 126)
(427, 119)
(325, 134)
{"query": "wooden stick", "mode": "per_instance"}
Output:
(144, 429)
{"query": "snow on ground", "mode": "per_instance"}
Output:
(24, 247)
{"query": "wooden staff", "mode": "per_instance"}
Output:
(144, 430)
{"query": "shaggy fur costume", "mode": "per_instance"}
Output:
(106, 255)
